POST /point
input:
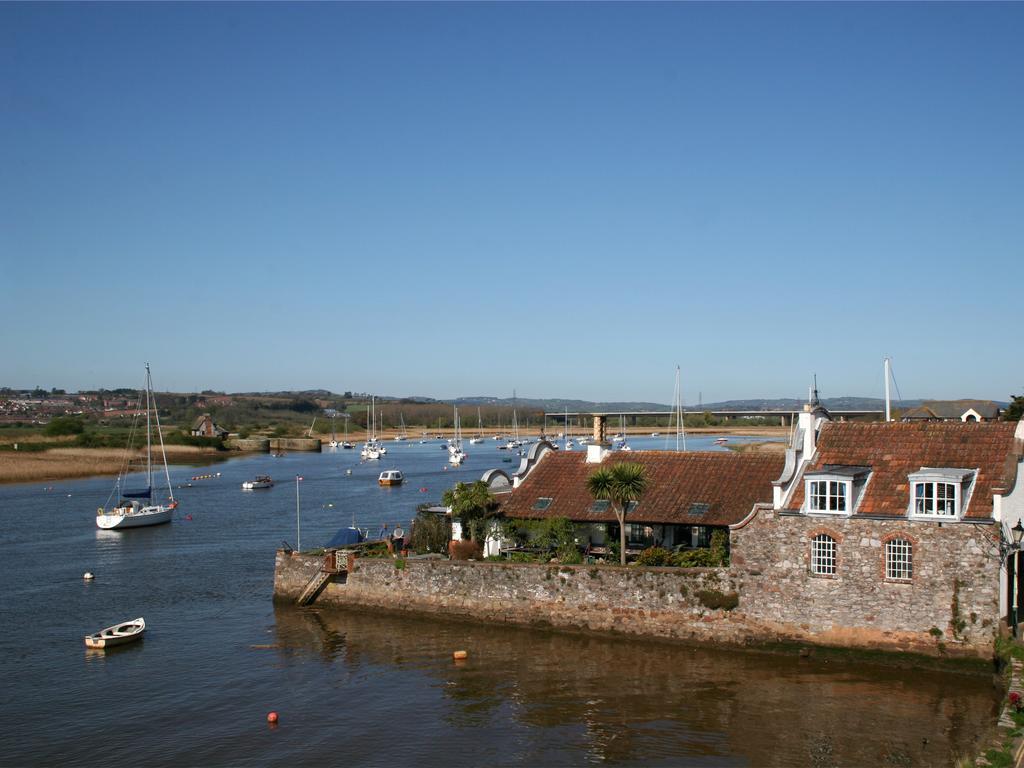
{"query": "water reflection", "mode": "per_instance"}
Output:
(624, 700)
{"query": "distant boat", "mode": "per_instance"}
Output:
(722, 441)
(402, 435)
(119, 634)
(261, 481)
(391, 477)
(130, 511)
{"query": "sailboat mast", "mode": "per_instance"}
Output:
(680, 425)
(160, 434)
(149, 440)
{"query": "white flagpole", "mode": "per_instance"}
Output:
(298, 529)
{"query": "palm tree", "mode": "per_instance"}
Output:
(620, 484)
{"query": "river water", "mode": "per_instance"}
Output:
(356, 688)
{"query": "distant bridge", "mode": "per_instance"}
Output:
(785, 417)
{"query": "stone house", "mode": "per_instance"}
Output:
(204, 426)
(953, 410)
(887, 534)
(689, 495)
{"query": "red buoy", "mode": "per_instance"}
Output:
(272, 717)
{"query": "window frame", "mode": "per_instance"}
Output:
(816, 560)
(836, 489)
(898, 559)
(930, 487)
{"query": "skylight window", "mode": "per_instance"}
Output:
(542, 503)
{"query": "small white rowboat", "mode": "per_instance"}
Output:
(118, 634)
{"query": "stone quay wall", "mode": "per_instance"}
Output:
(251, 444)
(950, 605)
(690, 604)
(296, 444)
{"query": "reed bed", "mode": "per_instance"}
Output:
(67, 463)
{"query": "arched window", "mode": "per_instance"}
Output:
(823, 555)
(899, 560)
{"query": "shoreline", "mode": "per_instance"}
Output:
(75, 463)
(58, 464)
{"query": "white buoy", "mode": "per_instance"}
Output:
(88, 576)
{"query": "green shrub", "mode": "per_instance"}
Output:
(183, 438)
(64, 425)
(430, 533)
(694, 558)
(720, 547)
(523, 557)
(654, 556)
(570, 555)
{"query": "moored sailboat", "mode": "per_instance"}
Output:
(135, 508)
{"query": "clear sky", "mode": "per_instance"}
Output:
(565, 199)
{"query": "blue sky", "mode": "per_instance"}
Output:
(564, 199)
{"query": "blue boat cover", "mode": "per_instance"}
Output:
(146, 494)
(346, 537)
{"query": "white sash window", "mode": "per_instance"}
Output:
(940, 493)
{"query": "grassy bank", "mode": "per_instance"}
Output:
(69, 463)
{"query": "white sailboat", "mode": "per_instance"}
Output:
(402, 433)
(479, 430)
(372, 449)
(346, 443)
(334, 435)
(135, 508)
(455, 453)
(569, 444)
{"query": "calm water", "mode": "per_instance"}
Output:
(364, 689)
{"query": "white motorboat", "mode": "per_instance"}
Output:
(135, 508)
(261, 481)
(391, 477)
(119, 634)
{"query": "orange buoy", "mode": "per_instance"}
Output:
(272, 717)
(460, 655)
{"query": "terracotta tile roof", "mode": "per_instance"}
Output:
(895, 450)
(693, 488)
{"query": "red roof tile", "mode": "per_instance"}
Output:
(895, 450)
(728, 483)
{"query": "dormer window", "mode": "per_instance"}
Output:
(939, 493)
(834, 489)
(828, 496)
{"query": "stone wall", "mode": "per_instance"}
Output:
(296, 444)
(948, 608)
(661, 602)
(253, 444)
(952, 563)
